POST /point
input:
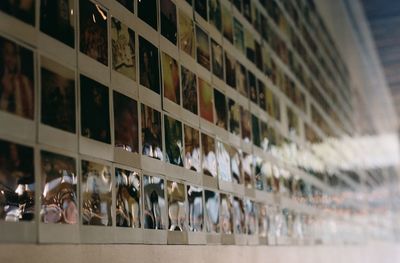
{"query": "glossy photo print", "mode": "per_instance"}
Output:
(22, 10)
(202, 48)
(262, 102)
(149, 65)
(95, 112)
(238, 36)
(224, 162)
(176, 196)
(208, 159)
(186, 34)
(17, 182)
(170, 78)
(173, 141)
(214, 14)
(239, 223)
(57, 19)
(221, 110)
(189, 90)
(250, 210)
(151, 132)
(195, 211)
(241, 80)
(58, 96)
(227, 23)
(128, 4)
(128, 189)
(192, 156)
(234, 117)
(93, 31)
(226, 216)
(123, 49)
(246, 125)
(217, 59)
(17, 75)
(148, 12)
(168, 20)
(230, 70)
(154, 202)
(252, 87)
(235, 157)
(255, 126)
(212, 211)
(96, 195)
(206, 99)
(126, 130)
(59, 203)
(246, 161)
(200, 6)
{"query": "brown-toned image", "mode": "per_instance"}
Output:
(126, 123)
(226, 216)
(189, 90)
(208, 159)
(206, 99)
(247, 168)
(168, 20)
(227, 23)
(192, 149)
(173, 141)
(176, 196)
(17, 79)
(252, 88)
(221, 111)
(93, 31)
(214, 13)
(241, 80)
(217, 59)
(154, 202)
(186, 34)
(123, 49)
(151, 132)
(170, 77)
(24, 10)
(230, 70)
(234, 117)
(293, 121)
(238, 36)
(245, 124)
(202, 48)
(149, 65)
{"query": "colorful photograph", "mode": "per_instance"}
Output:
(168, 20)
(211, 202)
(17, 182)
(176, 196)
(59, 183)
(95, 112)
(217, 59)
(189, 90)
(173, 141)
(96, 194)
(22, 10)
(226, 214)
(227, 23)
(186, 34)
(148, 12)
(293, 122)
(195, 208)
(202, 48)
(154, 202)
(221, 111)
(151, 133)
(214, 14)
(17, 75)
(208, 159)
(126, 123)
(263, 220)
(93, 31)
(206, 100)
(128, 198)
(230, 70)
(170, 77)
(234, 117)
(245, 124)
(149, 65)
(58, 96)
(123, 49)
(192, 149)
(250, 46)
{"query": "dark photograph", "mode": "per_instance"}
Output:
(58, 96)
(128, 4)
(214, 12)
(176, 196)
(246, 125)
(148, 12)
(192, 149)
(154, 202)
(123, 49)
(234, 117)
(252, 87)
(168, 20)
(173, 141)
(208, 159)
(23, 10)
(189, 90)
(203, 48)
(17, 79)
(217, 59)
(95, 112)
(17, 182)
(126, 123)
(195, 208)
(93, 31)
(230, 70)
(186, 34)
(57, 19)
(151, 133)
(247, 169)
(149, 65)
(200, 6)
(170, 78)
(221, 111)
(96, 194)
(227, 23)
(59, 184)
(241, 80)
(226, 214)
(255, 125)
(212, 211)
(128, 198)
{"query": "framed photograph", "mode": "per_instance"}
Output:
(262, 102)
(17, 90)
(200, 6)
(224, 162)
(214, 14)
(123, 49)
(202, 47)
(96, 195)
(126, 130)
(246, 161)
(57, 96)
(59, 204)
(209, 160)
(17, 182)
(264, 135)
(245, 124)
(192, 149)
(263, 220)
(170, 77)
(250, 209)
(151, 133)
(238, 4)
(128, 210)
(238, 36)
(234, 117)
(221, 111)
(217, 59)
(95, 110)
(186, 34)
(227, 23)
(154, 203)
(249, 45)
(93, 31)
(230, 70)
(195, 211)
(24, 11)
(173, 141)
(261, 170)
(252, 87)
(168, 20)
(238, 210)
(149, 64)
(241, 80)
(226, 216)
(255, 127)
(128, 4)
(148, 12)
(189, 90)
(206, 98)
(235, 157)
(212, 211)
(57, 19)
(176, 195)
